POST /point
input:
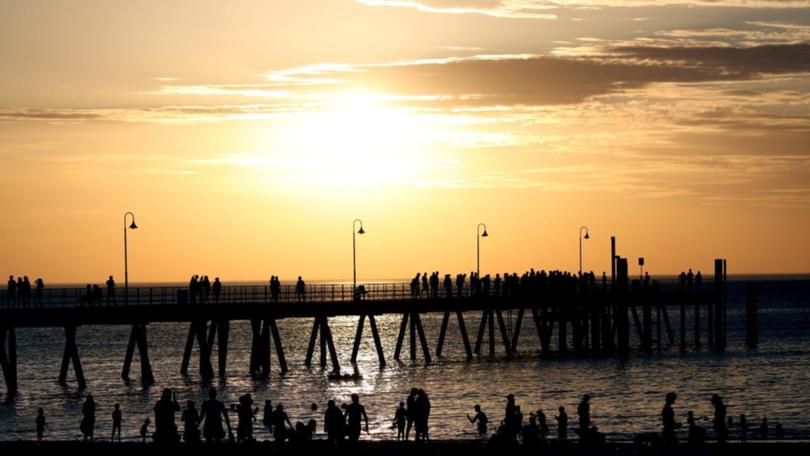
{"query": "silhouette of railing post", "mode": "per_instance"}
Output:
(8, 358)
(71, 355)
(137, 337)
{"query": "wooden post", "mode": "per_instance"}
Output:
(719, 304)
(206, 370)
(683, 324)
(377, 343)
(402, 328)
(491, 326)
(147, 378)
(255, 348)
(507, 345)
(313, 337)
(596, 322)
(462, 327)
(622, 322)
(562, 329)
(187, 351)
(129, 353)
(516, 333)
(422, 338)
(646, 333)
(358, 338)
(222, 347)
(71, 355)
(8, 359)
(282, 360)
(412, 337)
(481, 328)
(696, 324)
(751, 327)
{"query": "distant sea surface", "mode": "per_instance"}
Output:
(627, 395)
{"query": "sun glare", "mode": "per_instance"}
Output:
(356, 140)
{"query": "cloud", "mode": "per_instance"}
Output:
(544, 9)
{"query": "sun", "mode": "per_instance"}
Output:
(357, 139)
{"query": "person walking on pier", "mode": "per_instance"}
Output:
(562, 424)
(354, 412)
(719, 422)
(191, 421)
(480, 418)
(39, 286)
(275, 288)
(211, 415)
(88, 423)
(668, 420)
(205, 285)
(584, 414)
(11, 290)
(216, 289)
(110, 290)
(425, 286)
(448, 286)
(193, 288)
(116, 422)
(40, 422)
(300, 290)
(460, 284)
(165, 427)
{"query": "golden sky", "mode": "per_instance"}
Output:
(247, 135)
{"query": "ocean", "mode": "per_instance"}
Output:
(627, 395)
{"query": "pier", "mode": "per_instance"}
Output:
(596, 320)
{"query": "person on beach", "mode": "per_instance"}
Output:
(267, 414)
(88, 423)
(542, 423)
(697, 434)
(562, 424)
(191, 421)
(354, 412)
(333, 423)
(400, 418)
(668, 420)
(480, 418)
(40, 422)
(411, 411)
(743, 428)
(422, 415)
(211, 415)
(246, 415)
(145, 430)
(584, 414)
(531, 433)
(719, 422)
(763, 428)
(280, 422)
(510, 429)
(116, 422)
(165, 427)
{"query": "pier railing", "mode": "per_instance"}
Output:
(262, 294)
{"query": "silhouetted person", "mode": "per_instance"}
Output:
(698, 280)
(354, 412)
(88, 423)
(40, 421)
(562, 424)
(668, 420)
(333, 423)
(116, 422)
(584, 414)
(205, 285)
(423, 419)
(144, 430)
(191, 421)
(275, 290)
(480, 418)
(267, 414)
(448, 286)
(542, 423)
(510, 419)
(763, 428)
(719, 421)
(246, 415)
(110, 290)
(697, 435)
(690, 278)
(211, 414)
(192, 289)
(39, 286)
(400, 418)
(780, 431)
(743, 428)
(300, 290)
(11, 290)
(216, 289)
(531, 433)
(410, 404)
(280, 422)
(165, 427)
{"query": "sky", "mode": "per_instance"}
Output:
(246, 136)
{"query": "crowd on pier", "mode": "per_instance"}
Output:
(211, 423)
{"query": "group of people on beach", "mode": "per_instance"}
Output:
(211, 422)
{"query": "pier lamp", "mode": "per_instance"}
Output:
(478, 236)
(587, 236)
(132, 226)
(354, 252)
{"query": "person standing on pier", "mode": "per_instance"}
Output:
(300, 290)
(668, 420)
(719, 422)
(206, 288)
(110, 290)
(275, 288)
(448, 286)
(211, 414)
(39, 286)
(88, 423)
(11, 290)
(192, 289)
(165, 428)
(216, 289)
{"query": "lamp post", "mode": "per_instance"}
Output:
(478, 236)
(354, 253)
(587, 236)
(132, 226)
